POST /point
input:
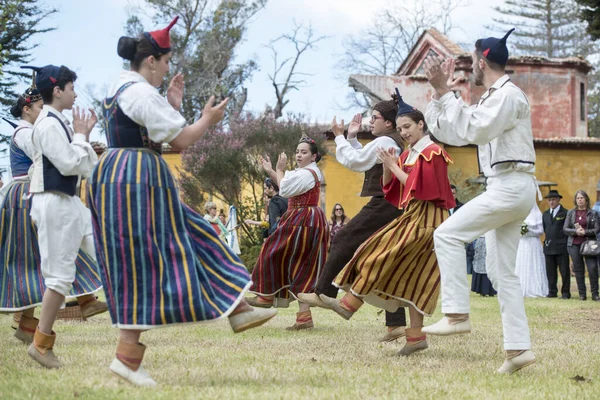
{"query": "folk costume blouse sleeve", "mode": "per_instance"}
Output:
(361, 159)
(299, 181)
(147, 107)
(75, 158)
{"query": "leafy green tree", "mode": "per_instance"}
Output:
(590, 13)
(549, 28)
(552, 28)
(225, 163)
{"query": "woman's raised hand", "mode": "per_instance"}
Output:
(388, 157)
(265, 162)
(175, 91)
(214, 113)
(282, 162)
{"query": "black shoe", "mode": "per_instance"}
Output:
(596, 298)
(550, 296)
(565, 296)
(582, 298)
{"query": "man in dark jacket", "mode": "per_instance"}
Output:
(555, 246)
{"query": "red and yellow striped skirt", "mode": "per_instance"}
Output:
(397, 265)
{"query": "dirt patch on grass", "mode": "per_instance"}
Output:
(585, 320)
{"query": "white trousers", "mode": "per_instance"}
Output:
(499, 213)
(64, 225)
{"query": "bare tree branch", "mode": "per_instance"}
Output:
(381, 48)
(303, 40)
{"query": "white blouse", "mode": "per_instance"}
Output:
(352, 155)
(299, 181)
(418, 149)
(146, 107)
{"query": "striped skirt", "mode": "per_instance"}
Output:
(21, 281)
(397, 265)
(161, 262)
(293, 256)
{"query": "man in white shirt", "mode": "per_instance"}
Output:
(377, 213)
(500, 124)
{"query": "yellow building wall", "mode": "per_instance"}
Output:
(572, 169)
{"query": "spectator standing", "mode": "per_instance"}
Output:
(582, 223)
(555, 246)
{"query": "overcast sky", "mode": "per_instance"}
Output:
(88, 30)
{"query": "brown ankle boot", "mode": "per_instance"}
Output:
(16, 319)
(303, 321)
(41, 349)
(128, 362)
(415, 341)
(131, 354)
(90, 306)
(26, 329)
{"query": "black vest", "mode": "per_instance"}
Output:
(372, 183)
(53, 179)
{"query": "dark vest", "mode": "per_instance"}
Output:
(19, 162)
(372, 183)
(122, 131)
(53, 179)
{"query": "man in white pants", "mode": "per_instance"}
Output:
(500, 124)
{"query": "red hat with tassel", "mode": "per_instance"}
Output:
(161, 40)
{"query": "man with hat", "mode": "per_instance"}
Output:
(555, 246)
(500, 124)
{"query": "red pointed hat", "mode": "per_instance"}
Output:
(161, 40)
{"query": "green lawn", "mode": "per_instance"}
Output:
(338, 359)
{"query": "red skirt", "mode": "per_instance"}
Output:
(293, 256)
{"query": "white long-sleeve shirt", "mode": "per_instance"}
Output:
(299, 181)
(500, 124)
(50, 140)
(146, 107)
(352, 155)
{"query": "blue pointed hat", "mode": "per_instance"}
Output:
(495, 49)
(10, 122)
(403, 108)
(47, 77)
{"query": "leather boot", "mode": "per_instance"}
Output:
(416, 340)
(26, 329)
(41, 349)
(127, 364)
(16, 319)
(90, 306)
(303, 321)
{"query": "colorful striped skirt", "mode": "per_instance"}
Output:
(397, 265)
(293, 256)
(161, 262)
(21, 281)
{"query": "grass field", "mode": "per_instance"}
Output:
(338, 359)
